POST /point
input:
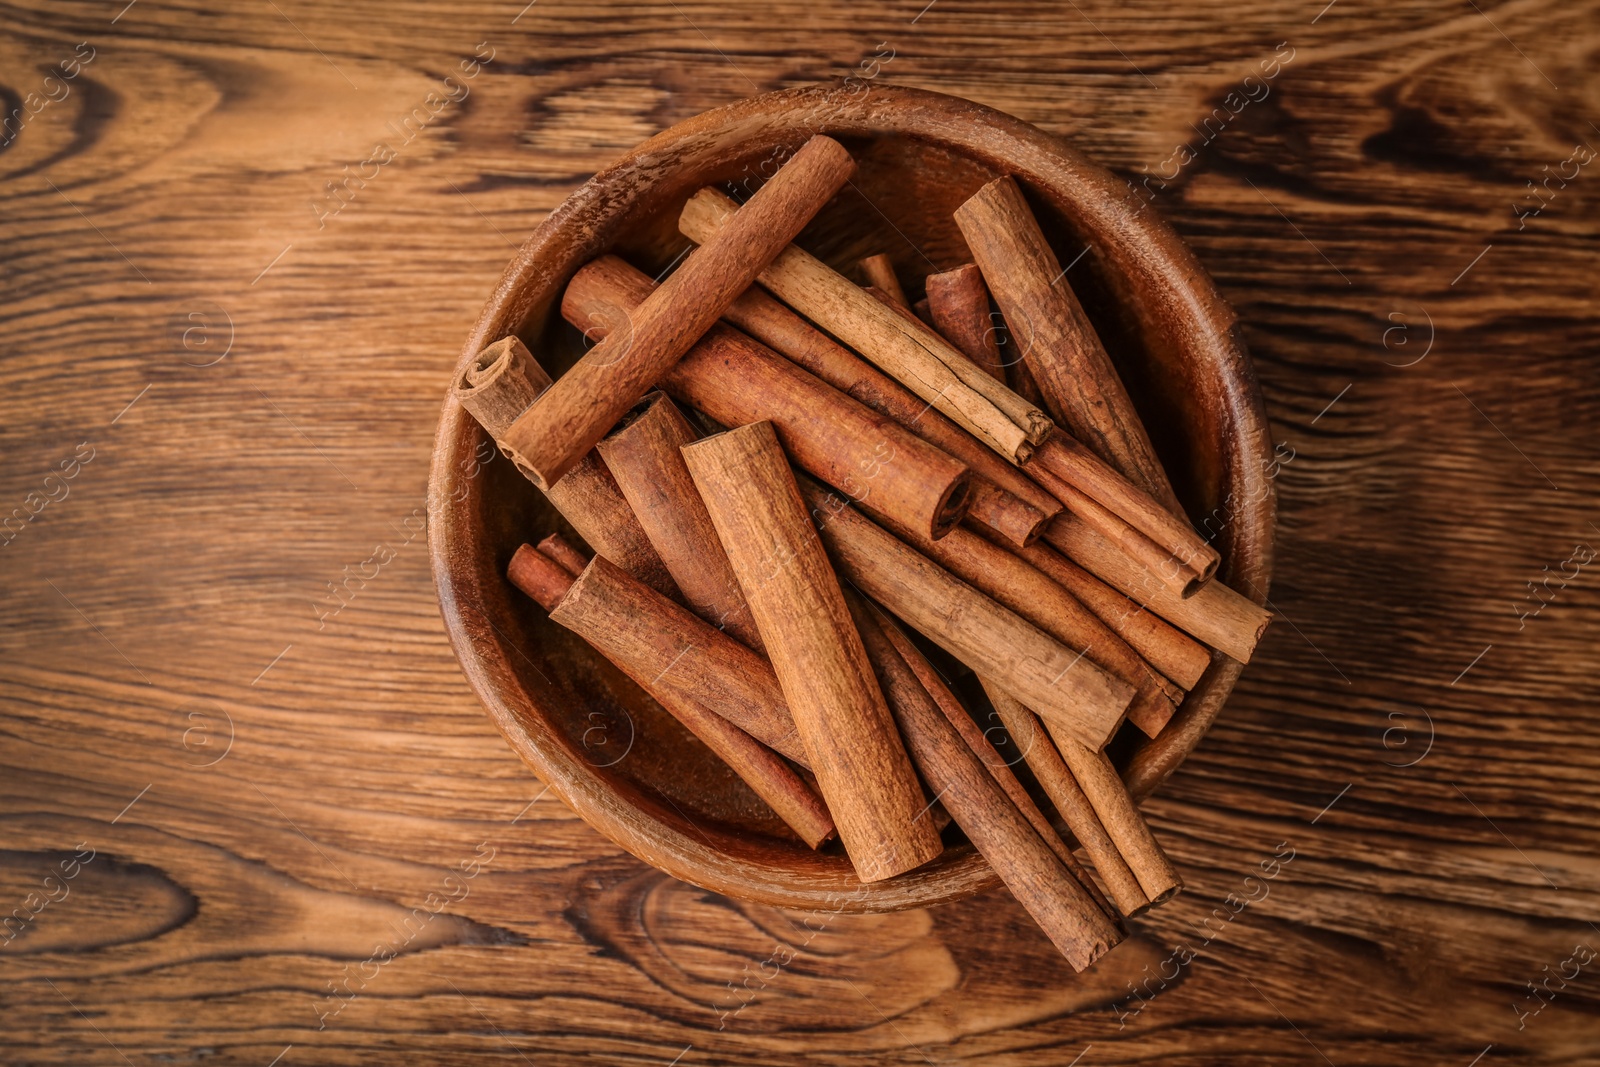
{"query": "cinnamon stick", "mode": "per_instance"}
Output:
(496, 387)
(1073, 692)
(555, 547)
(1051, 893)
(1216, 615)
(987, 754)
(1160, 562)
(1002, 498)
(1024, 589)
(901, 346)
(772, 779)
(1052, 773)
(499, 383)
(1079, 383)
(589, 498)
(570, 417)
(680, 654)
(1105, 789)
(643, 456)
(1168, 649)
(1089, 474)
(816, 651)
(958, 300)
(879, 272)
(736, 380)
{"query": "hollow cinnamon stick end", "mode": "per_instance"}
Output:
(539, 576)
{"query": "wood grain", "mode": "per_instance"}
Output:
(178, 595)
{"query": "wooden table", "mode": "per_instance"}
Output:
(242, 245)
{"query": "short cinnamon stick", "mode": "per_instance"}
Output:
(1053, 774)
(879, 272)
(643, 456)
(737, 380)
(1079, 383)
(495, 388)
(1092, 476)
(1052, 894)
(900, 345)
(1030, 593)
(958, 300)
(816, 652)
(570, 417)
(1002, 498)
(1073, 692)
(499, 383)
(763, 770)
(556, 547)
(1216, 615)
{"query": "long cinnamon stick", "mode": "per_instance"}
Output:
(1079, 383)
(901, 346)
(1168, 649)
(1216, 615)
(570, 417)
(1002, 496)
(1063, 685)
(772, 779)
(1030, 593)
(1051, 893)
(643, 456)
(816, 651)
(737, 380)
(1052, 773)
(987, 754)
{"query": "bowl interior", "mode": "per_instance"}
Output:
(593, 735)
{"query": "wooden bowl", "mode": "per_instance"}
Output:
(616, 758)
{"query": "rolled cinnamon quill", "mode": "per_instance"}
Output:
(816, 652)
(1063, 685)
(499, 383)
(772, 779)
(1216, 615)
(1059, 344)
(737, 381)
(1054, 776)
(643, 455)
(1052, 894)
(902, 346)
(570, 417)
(1002, 498)
(1024, 589)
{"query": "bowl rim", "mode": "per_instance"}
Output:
(1137, 246)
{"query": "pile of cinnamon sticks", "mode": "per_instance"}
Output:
(797, 489)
